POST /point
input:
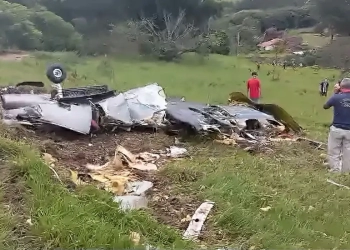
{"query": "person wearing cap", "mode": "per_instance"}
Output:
(339, 133)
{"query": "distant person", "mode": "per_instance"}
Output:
(324, 87)
(257, 66)
(284, 64)
(293, 64)
(254, 88)
(339, 133)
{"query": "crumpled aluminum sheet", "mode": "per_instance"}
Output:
(143, 106)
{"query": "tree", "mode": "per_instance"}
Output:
(56, 33)
(267, 4)
(29, 29)
(169, 43)
(335, 14)
(282, 18)
(279, 49)
(100, 14)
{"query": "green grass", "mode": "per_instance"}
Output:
(312, 39)
(307, 212)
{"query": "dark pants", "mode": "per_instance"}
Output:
(256, 100)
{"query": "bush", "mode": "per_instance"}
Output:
(307, 59)
(219, 43)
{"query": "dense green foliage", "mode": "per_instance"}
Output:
(30, 29)
(266, 4)
(284, 18)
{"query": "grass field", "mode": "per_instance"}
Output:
(312, 39)
(306, 211)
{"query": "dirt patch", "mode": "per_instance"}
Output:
(175, 208)
(172, 207)
(13, 56)
(74, 151)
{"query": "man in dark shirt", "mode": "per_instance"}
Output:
(324, 87)
(339, 134)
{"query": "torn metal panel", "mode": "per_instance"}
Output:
(181, 111)
(243, 113)
(73, 117)
(15, 101)
(276, 111)
(218, 118)
(141, 106)
(117, 108)
(76, 118)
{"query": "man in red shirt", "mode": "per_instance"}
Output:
(253, 88)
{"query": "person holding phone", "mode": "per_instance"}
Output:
(339, 132)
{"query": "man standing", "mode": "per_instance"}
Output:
(324, 87)
(339, 134)
(258, 66)
(254, 88)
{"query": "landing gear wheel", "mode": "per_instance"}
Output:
(56, 73)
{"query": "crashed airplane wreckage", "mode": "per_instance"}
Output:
(89, 109)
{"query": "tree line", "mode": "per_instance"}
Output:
(91, 26)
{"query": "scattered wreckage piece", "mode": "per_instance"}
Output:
(316, 144)
(222, 119)
(337, 184)
(276, 111)
(198, 219)
(230, 124)
(116, 176)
